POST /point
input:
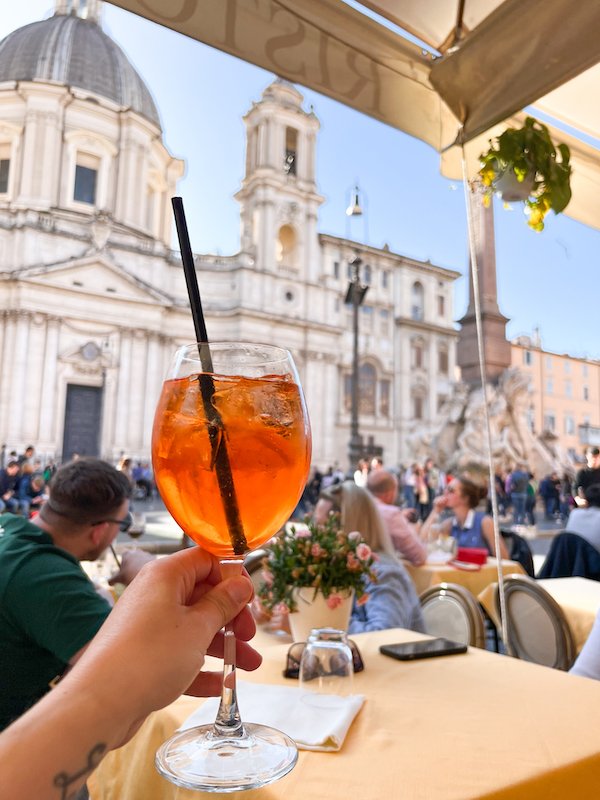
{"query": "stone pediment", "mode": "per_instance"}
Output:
(95, 275)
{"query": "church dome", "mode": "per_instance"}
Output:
(76, 52)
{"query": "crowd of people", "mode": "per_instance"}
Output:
(521, 495)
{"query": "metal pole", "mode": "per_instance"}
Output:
(355, 295)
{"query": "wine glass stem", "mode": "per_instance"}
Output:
(228, 722)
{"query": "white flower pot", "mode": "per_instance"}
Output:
(313, 612)
(510, 189)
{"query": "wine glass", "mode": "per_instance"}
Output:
(231, 452)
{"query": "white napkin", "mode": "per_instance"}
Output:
(313, 721)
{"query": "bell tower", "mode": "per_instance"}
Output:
(278, 197)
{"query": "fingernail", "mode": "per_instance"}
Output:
(240, 590)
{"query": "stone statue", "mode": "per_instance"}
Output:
(458, 441)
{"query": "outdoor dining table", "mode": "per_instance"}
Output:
(478, 725)
(474, 577)
(579, 598)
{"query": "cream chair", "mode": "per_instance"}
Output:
(452, 611)
(538, 630)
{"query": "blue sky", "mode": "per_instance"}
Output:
(547, 280)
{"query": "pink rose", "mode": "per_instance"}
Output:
(316, 550)
(302, 533)
(354, 536)
(333, 601)
(363, 551)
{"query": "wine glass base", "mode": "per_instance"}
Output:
(197, 759)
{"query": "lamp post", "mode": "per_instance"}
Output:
(354, 296)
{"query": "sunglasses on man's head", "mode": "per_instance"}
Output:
(294, 656)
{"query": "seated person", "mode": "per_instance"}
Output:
(587, 662)
(399, 525)
(49, 609)
(469, 527)
(32, 491)
(9, 479)
(585, 521)
(393, 600)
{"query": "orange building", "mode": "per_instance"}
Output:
(564, 395)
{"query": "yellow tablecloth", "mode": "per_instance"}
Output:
(579, 598)
(475, 581)
(478, 725)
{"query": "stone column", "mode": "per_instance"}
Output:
(47, 407)
(496, 346)
(123, 391)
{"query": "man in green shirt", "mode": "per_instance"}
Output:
(49, 609)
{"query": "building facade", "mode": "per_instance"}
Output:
(93, 299)
(564, 396)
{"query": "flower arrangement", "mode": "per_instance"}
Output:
(528, 156)
(319, 556)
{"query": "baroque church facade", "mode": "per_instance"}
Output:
(93, 299)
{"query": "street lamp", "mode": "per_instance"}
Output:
(354, 296)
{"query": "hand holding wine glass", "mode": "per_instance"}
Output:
(231, 454)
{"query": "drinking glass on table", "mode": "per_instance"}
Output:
(326, 668)
(231, 453)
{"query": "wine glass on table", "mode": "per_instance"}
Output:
(231, 454)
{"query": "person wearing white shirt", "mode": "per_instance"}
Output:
(585, 521)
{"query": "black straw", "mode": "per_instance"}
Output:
(216, 430)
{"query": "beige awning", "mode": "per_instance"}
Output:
(487, 60)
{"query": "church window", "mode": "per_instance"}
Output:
(586, 393)
(417, 302)
(384, 321)
(4, 168)
(86, 178)
(291, 152)
(85, 184)
(443, 360)
(367, 386)
(385, 278)
(368, 274)
(417, 353)
(336, 269)
(441, 305)
(285, 246)
(417, 407)
(384, 398)
(527, 357)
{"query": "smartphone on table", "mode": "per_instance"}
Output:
(425, 648)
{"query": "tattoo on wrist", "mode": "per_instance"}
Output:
(63, 780)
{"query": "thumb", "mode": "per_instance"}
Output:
(224, 602)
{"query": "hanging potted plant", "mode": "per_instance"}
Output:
(523, 164)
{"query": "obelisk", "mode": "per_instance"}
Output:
(496, 348)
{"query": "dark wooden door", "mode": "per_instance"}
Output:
(83, 416)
